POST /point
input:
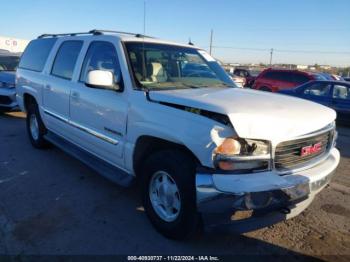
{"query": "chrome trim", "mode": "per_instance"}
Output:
(312, 162)
(221, 157)
(54, 115)
(82, 128)
(289, 188)
(94, 133)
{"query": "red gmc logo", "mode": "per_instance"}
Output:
(309, 150)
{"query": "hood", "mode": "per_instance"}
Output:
(255, 114)
(8, 77)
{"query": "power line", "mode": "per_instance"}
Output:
(283, 50)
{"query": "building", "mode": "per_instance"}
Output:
(13, 45)
(302, 67)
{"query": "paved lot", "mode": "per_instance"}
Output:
(51, 203)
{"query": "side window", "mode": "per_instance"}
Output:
(318, 89)
(283, 76)
(66, 59)
(341, 92)
(300, 78)
(36, 53)
(100, 56)
(270, 75)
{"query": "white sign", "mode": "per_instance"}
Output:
(14, 45)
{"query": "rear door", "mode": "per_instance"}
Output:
(341, 101)
(99, 115)
(56, 92)
(319, 92)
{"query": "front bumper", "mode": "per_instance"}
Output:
(219, 196)
(8, 98)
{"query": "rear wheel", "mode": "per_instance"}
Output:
(35, 127)
(169, 193)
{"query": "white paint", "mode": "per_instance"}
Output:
(206, 56)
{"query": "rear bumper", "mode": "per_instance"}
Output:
(8, 98)
(267, 195)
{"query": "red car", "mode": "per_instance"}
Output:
(273, 80)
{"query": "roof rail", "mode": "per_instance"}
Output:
(100, 32)
(93, 32)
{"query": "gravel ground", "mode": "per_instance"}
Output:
(51, 204)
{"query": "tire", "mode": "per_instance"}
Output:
(265, 88)
(35, 127)
(180, 169)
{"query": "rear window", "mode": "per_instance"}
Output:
(36, 53)
(66, 58)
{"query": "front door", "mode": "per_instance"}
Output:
(99, 115)
(319, 92)
(341, 102)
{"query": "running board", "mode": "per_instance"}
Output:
(107, 170)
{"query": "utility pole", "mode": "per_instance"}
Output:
(271, 53)
(211, 42)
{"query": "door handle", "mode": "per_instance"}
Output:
(75, 95)
(48, 87)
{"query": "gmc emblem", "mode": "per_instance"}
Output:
(309, 150)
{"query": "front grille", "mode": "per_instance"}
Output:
(5, 100)
(288, 154)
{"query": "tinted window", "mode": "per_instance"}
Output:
(271, 75)
(36, 53)
(66, 58)
(300, 78)
(341, 92)
(276, 75)
(318, 89)
(101, 56)
(8, 63)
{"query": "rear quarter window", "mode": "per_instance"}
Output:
(36, 53)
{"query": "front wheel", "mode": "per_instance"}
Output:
(169, 194)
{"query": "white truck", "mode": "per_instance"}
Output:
(205, 152)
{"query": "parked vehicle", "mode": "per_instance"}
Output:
(8, 64)
(247, 74)
(273, 80)
(200, 147)
(347, 79)
(238, 80)
(334, 94)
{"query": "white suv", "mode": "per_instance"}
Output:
(132, 106)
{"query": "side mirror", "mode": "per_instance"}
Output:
(101, 79)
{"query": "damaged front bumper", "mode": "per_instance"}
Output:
(267, 196)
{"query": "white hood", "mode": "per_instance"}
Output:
(255, 114)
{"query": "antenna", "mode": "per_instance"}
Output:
(144, 72)
(144, 17)
(190, 42)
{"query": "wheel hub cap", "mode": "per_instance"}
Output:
(164, 196)
(34, 127)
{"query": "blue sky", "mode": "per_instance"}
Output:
(319, 26)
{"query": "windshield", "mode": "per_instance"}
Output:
(8, 63)
(159, 66)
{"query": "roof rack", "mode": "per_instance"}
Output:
(93, 32)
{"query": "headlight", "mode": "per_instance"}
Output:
(245, 155)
